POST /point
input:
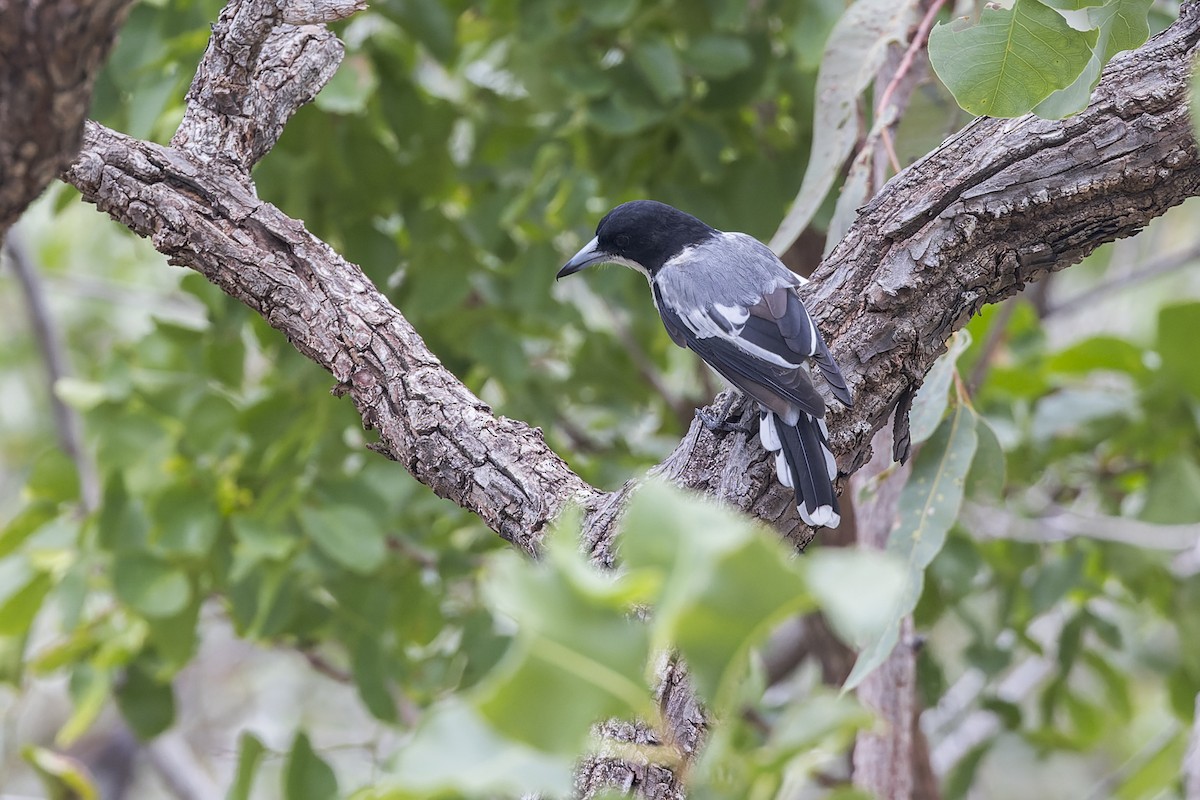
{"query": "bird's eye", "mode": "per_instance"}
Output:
(621, 240)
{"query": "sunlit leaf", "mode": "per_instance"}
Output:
(1011, 60)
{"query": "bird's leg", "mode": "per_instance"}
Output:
(722, 422)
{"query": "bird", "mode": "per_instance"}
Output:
(728, 298)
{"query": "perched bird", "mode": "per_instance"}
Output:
(728, 298)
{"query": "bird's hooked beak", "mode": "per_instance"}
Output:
(590, 254)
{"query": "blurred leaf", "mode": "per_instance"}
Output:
(609, 13)
(63, 777)
(929, 504)
(429, 22)
(857, 591)
(186, 522)
(305, 775)
(151, 586)
(90, 690)
(718, 55)
(986, 478)
(929, 405)
(1178, 327)
(454, 750)
(346, 534)
(578, 657)
(53, 478)
(250, 753)
(1098, 353)
(853, 54)
(1173, 496)
(18, 609)
(370, 668)
(724, 583)
(147, 704)
(1011, 60)
(656, 60)
(350, 89)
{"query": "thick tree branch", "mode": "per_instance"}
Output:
(50, 52)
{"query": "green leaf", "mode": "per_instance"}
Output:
(1173, 496)
(429, 22)
(1011, 60)
(1121, 25)
(1178, 329)
(350, 89)
(656, 60)
(63, 777)
(151, 586)
(578, 657)
(370, 666)
(305, 775)
(1098, 353)
(929, 504)
(53, 478)
(609, 13)
(250, 752)
(346, 534)
(857, 590)
(18, 609)
(186, 523)
(455, 750)
(147, 704)
(986, 477)
(930, 403)
(90, 688)
(724, 583)
(856, 49)
(718, 55)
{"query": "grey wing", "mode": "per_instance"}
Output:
(761, 348)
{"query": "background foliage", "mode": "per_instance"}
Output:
(309, 621)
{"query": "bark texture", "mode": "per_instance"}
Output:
(50, 52)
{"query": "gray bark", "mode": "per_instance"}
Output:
(50, 52)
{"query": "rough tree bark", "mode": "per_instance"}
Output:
(999, 205)
(50, 52)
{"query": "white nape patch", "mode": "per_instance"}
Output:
(822, 517)
(768, 434)
(680, 258)
(783, 471)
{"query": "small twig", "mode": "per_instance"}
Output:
(54, 355)
(914, 47)
(323, 666)
(1164, 265)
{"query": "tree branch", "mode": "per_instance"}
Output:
(50, 52)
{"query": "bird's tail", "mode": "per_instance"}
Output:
(804, 462)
